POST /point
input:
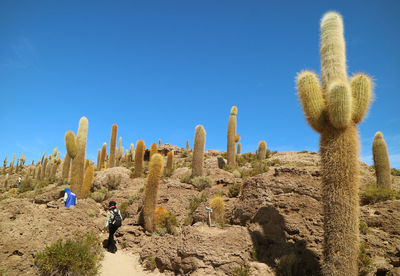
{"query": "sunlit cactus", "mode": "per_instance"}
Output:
(381, 162)
(230, 152)
(198, 151)
(187, 145)
(333, 109)
(66, 166)
(87, 182)
(239, 148)
(262, 150)
(139, 156)
(113, 144)
(170, 163)
(151, 190)
(44, 167)
(153, 149)
(103, 155)
(12, 165)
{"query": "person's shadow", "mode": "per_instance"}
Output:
(112, 248)
(290, 259)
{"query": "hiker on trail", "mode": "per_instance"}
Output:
(19, 181)
(69, 198)
(113, 222)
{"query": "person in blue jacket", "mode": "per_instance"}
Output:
(69, 198)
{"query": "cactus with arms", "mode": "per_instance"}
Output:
(334, 109)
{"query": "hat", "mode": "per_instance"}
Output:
(112, 203)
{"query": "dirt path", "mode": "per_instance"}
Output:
(123, 263)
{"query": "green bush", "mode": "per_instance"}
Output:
(100, 195)
(373, 194)
(186, 178)
(364, 260)
(234, 189)
(242, 270)
(364, 229)
(150, 263)
(202, 182)
(395, 172)
(288, 265)
(257, 167)
(133, 198)
(26, 185)
(193, 205)
(113, 181)
(123, 209)
(77, 256)
(236, 174)
(167, 224)
(3, 271)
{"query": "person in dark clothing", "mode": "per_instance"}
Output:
(113, 222)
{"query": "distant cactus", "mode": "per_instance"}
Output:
(54, 168)
(239, 147)
(44, 167)
(78, 162)
(187, 145)
(153, 149)
(17, 166)
(262, 150)
(170, 163)
(230, 152)
(381, 162)
(12, 165)
(139, 155)
(39, 173)
(198, 151)
(151, 190)
(118, 154)
(6, 182)
(103, 155)
(132, 152)
(98, 160)
(55, 152)
(43, 156)
(159, 142)
(87, 182)
(333, 110)
(113, 144)
(5, 164)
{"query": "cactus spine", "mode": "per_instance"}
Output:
(151, 190)
(334, 110)
(381, 162)
(262, 150)
(139, 155)
(113, 144)
(78, 162)
(230, 152)
(87, 182)
(198, 151)
(153, 149)
(239, 148)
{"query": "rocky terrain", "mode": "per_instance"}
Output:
(274, 223)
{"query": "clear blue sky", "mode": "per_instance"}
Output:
(159, 68)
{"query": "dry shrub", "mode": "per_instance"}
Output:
(218, 206)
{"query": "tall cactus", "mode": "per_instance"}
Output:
(262, 150)
(44, 168)
(230, 152)
(151, 190)
(103, 155)
(113, 144)
(139, 155)
(5, 164)
(381, 162)
(187, 145)
(12, 165)
(170, 163)
(119, 152)
(98, 160)
(198, 151)
(239, 148)
(78, 161)
(334, 109)
(87, 182)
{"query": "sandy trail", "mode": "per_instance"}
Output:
(123, 263)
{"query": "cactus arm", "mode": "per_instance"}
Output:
(311, 98)
(339, 105)
(361, 90)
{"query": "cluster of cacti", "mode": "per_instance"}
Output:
(381, 162)
(334, 109)
(139, 156)
(262, 150)
(151, 190)
(198, 151)
(113, 144)
(230, 151)
(12, 165)
(76, 148)
(55, 164)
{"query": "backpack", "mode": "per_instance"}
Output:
(116, 219)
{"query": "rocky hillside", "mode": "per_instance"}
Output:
(274, 223)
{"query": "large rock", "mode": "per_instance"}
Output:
(104, 178)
